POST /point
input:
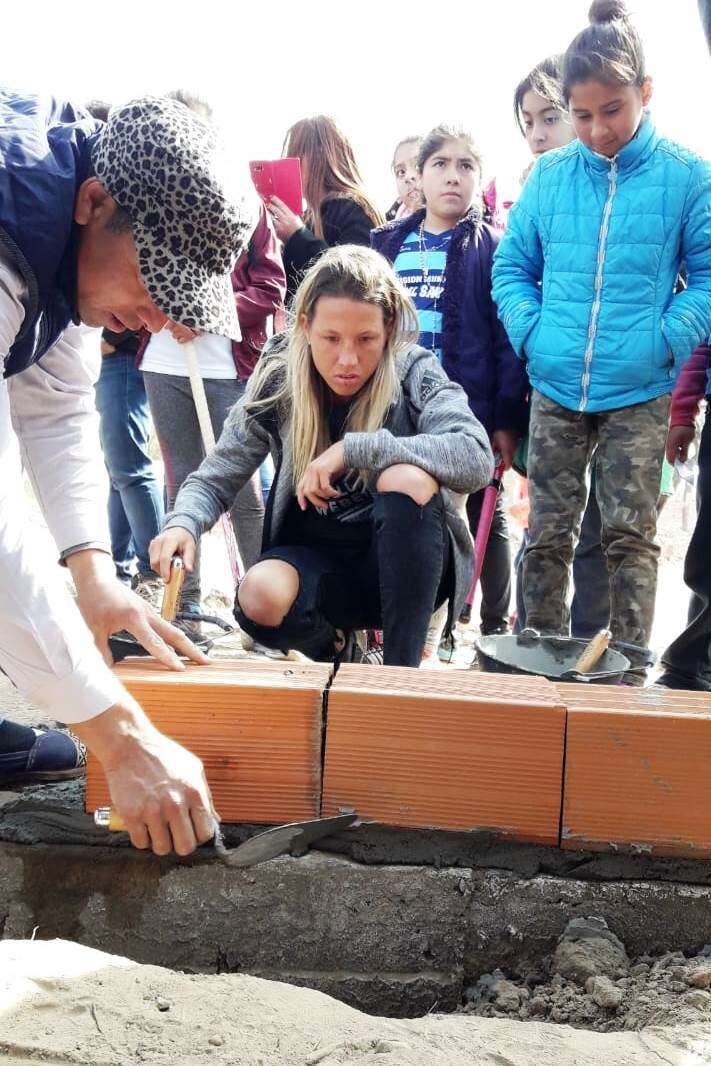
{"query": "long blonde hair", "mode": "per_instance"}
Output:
(330, 166)
(289, 379)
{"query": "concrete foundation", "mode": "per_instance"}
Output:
(398, 940)
(395, 922)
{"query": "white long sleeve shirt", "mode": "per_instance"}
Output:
(48, 422)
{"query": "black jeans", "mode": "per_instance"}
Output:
(689, 656)
(394, 584)
(496, 571)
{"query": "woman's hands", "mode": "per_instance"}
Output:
(172, 541)
(315, 486)
(286, 223)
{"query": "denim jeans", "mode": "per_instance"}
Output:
(135, 498)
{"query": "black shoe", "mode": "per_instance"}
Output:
(670, 679)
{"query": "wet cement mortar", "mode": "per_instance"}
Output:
(394, 922)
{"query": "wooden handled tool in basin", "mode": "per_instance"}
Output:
(591, 655)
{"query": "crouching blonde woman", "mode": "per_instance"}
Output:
(372, 444)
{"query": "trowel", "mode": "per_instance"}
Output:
(294, 838)
(33, 820)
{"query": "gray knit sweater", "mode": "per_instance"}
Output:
(430, 425)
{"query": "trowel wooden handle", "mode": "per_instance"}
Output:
(106, 818)
(171, 593)
(595, 650)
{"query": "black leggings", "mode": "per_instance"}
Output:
(394, 584)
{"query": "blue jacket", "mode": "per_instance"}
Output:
(45, 155)
(476, 352)
(584, 276)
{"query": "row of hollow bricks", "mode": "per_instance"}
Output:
(582, 766)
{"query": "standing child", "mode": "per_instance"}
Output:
(407, 179)
(542, 117)
(688, 659)
(584, 280)
(339, 209)
(443, 255)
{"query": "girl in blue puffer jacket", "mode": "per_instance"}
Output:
(584, 281)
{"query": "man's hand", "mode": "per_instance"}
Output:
(157, 787)
(678, 440)
(315, 486)
(173, 541)
(108, 607)
(504, 443)
(286, 223)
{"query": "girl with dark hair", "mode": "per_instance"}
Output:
(407, 179)
(542, 117)
(584, 280)
(373, 448)
(339, 210)
(443, 255)
(540, 109)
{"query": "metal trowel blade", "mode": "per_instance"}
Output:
(282, 839)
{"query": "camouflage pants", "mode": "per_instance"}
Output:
(628, 444)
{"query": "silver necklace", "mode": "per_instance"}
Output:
(425, 269)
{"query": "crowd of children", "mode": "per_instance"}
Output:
(566, 333)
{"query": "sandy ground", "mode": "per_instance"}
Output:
(61, 1002)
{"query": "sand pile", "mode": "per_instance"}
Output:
(64, 1003)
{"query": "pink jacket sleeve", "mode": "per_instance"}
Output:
(690, 388)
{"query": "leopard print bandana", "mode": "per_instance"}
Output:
(157, 160)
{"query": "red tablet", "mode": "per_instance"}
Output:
(279, 177)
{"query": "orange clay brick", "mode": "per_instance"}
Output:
(257, 726)
(622, 697)
(459, 751)
(637, 772)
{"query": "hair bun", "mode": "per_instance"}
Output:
(602, 11)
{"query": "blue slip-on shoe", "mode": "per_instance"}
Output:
(54, 756)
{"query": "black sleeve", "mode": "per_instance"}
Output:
(344, 222)
(127, 341)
